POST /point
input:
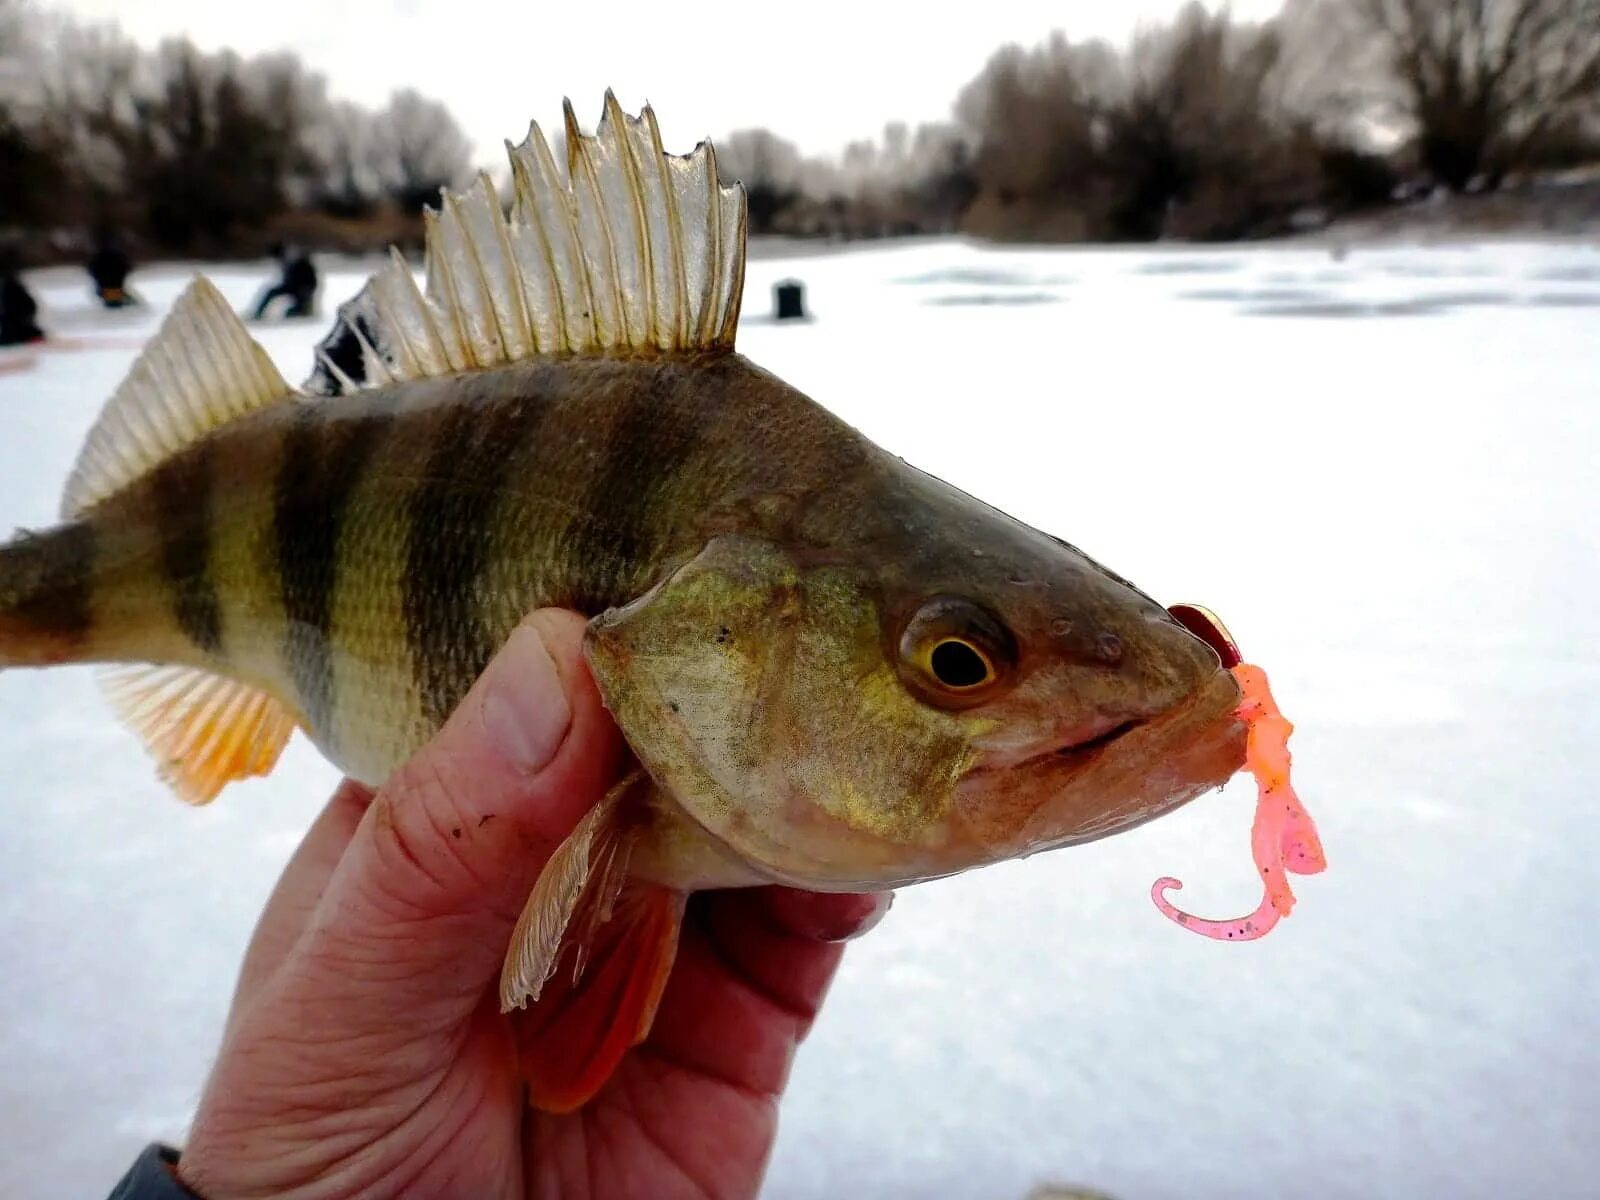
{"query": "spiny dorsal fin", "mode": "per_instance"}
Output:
(204, 731)
(635, 253)
(201, 370)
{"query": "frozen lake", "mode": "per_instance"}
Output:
(1417, 432)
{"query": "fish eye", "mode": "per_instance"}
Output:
(954, 652)
(960, 665)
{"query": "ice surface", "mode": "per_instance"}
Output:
(1381, 471)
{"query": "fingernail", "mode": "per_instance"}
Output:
(525, 712)
(870, 922)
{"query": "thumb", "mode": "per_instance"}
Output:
(417, 916)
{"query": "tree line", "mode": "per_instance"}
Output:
(195, 152)
(1203, 127)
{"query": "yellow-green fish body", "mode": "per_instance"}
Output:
(361, 557)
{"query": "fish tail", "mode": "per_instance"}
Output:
(46, 596)
(134, 511)
(129, 578)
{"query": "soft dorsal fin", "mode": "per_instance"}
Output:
(201, 370)
(635, 253)
(203, 730)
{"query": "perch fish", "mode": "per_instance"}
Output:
(822, 679)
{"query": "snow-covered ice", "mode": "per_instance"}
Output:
(1382, 471)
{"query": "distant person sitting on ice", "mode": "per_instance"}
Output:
(17, 307)
(109, 267)
(299, 283)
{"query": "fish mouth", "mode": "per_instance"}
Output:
(1080, 752)
(1121, 777)
(1164, 762)
(1071, 754)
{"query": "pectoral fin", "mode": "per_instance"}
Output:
(591, 953)
(582, 1024)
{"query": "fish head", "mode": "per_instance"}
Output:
(959, 691)
(1089, 708)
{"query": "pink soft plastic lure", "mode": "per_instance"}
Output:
(1283, 838)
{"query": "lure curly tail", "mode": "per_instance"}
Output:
(1283, 839)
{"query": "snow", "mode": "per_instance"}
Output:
(1380, 470)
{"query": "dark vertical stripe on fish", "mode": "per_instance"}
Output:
(450, 527)
(47, 585)
(625, 514)
(181, 488)
(322, 463)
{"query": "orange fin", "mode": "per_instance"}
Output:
(588, 1017)
(204, 731)
(613, 941)
(587, 870)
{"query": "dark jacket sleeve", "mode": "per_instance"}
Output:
(152, 1178)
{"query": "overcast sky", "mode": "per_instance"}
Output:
(819, 72)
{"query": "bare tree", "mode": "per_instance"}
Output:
(1198, 138)
(29, 163)
(768, 166)
(347, 145)
(1483, 82)
(209, 156)
(422, 149)
(89, 79)
(292, 102)
(937, 181)
(1184, 133)
(1033, 116)
(16, 41)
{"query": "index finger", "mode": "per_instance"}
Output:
(298, 890)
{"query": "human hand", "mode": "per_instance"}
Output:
(365, 1054)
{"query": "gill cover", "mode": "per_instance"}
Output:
(757, 692)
